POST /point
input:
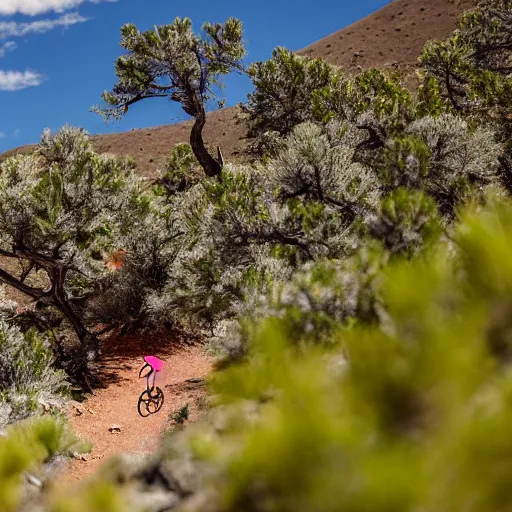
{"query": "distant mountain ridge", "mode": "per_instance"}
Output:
(394, 34)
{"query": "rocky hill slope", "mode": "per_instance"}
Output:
(394, 34)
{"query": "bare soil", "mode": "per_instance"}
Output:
(115, 404)
(150, 147)
(394, 34)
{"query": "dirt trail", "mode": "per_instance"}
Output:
(116, 402)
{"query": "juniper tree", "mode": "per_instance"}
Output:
(60, 209)
(472, 71)
(284, 87)
(171, 61)
(443, 156)
(473, 66)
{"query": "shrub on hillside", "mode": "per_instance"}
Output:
(292, 89)
(407, 223)
(395, 416)
(471, 67)
(29, 382)
(247, 231)
(317, 197)
(443, 156)
(60, 209)
(325, 296)
(469, 72)
(284, 88)
(226, 250)
(369, 91)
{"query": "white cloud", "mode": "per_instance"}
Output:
(2, 135)
(34, 7)
(18, 80)
(7, 47)
(14, 29)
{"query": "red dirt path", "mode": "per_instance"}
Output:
(116, 403)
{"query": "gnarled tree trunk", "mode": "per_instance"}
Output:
(59, 298)
(211, 166)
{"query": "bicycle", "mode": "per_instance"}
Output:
(151, 399)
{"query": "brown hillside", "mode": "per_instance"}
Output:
(395, 33)
(150, 146)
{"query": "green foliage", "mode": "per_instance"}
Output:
(94, 497)
(444, 156)
(14, 459)
(29, 383)
(472, 68)
(326, 296)
(291, 90)
(396, 417)
(44, 195)
(368, 91)
(405, 162)
(429, 100)
(90, 242)
(217, 262)
(316, 167)
(359, 278)
(319, 196)
(50, 437)
(61, 207)
(149, 243)
(178, 174)
(26, 447)
(284, 89)
(408, 222)
(179, 417)
(172, 61)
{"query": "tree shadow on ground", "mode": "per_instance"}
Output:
(119, 352)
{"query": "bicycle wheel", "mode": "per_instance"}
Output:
(142, 405)
(157, 400)
(150, 401)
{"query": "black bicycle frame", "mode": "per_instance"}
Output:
(151, 371)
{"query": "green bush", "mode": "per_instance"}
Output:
(415, 417)
(284, 89)
(29, 382)
(27, 446)
(48, 437)
(408, 222)
(60, 208)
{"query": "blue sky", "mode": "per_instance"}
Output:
(57, 56)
